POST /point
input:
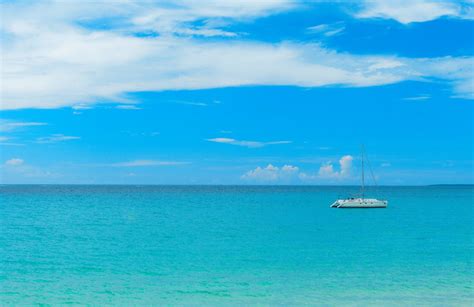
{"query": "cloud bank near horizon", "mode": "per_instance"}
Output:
(290, 173)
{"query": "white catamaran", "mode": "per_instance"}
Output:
(361, 202)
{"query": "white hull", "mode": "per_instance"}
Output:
(360, 203)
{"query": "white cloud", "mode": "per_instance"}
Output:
(327, 29)
(9, 126)
(128, 107)
(81, 106)
(196, 103)
(191, 103)
(56, 138)
(327, 170)
(319, 28)
(65, 64)
(385, 64)
(421, 97)
(290, 173)
(334, 31)
(271, 173)
(206, 32)
(137, 163)
(141, 134)
(176, 18)
(407, 11)
(14, 162)
(4, 138)
(250, 144)
(345, 165)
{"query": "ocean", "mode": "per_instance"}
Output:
(234, 245)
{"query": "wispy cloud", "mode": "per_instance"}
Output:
(422, 97)
(128, 107)
(250, 144)
(138, 163)
(14, 162)
(190, 103)
(87, 69)
(327, 29)
(9, 126)
(408, 11)
(81, 106)
(271, 173)
(177, 17)
(17, 167)
(141, 134)
(56, 138)
(206, 32)
(4, 141)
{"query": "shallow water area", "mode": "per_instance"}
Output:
(234, 245)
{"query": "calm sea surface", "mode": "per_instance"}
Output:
(234, 245)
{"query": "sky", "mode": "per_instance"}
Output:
(236, 92)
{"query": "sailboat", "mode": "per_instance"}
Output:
(361, 202)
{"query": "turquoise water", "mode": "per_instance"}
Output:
(234, 245)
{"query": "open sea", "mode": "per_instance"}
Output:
(234, 245)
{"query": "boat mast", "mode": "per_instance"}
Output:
(362, 162)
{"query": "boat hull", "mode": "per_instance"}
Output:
(359, 203)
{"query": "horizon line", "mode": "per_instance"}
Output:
(234, 185)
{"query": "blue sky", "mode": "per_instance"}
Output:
(236, 92)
